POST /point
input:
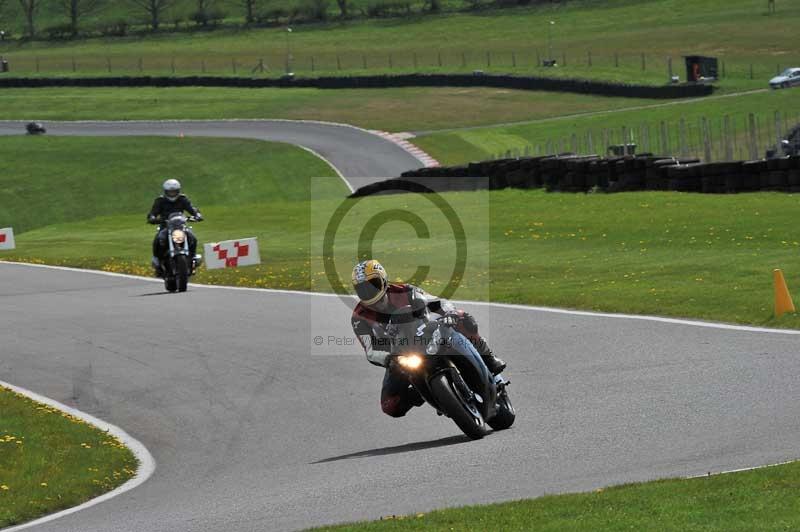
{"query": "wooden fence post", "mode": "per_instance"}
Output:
(682, 138)
(751, 122)
(726, 133)
(706, 141)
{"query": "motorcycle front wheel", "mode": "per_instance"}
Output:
(170, 284)
(466, 416)
(505, 415)
(182, 272)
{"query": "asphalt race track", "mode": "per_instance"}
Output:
(358, 154)
(250, 432)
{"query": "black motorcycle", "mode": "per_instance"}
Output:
(35, 128)
(177, 264)
(458, 386)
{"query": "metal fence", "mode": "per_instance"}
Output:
(727, 138)
(629, 66)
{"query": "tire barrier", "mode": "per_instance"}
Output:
(602, 88)
(580, 173)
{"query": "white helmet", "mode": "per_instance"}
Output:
(172, 189)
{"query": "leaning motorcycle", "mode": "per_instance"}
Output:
(178, 264)
(457, 385)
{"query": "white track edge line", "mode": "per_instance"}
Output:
(147, 463)
(551, 310)
(741, 470)
(342, 177)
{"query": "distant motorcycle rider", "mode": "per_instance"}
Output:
(378, 300)
(171, 201)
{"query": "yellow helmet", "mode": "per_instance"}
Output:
(370, 281)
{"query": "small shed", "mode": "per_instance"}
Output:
(700, 67)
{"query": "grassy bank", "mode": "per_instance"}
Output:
(673, 254)
(699, 256)
(50, 180)
(563, 133)
(385, 109)
(763, 499)
(50, 460)
(738, 31)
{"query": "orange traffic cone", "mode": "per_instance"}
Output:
(783, 300)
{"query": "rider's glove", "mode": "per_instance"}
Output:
(198, 216)
(450, 319)
(391, 330)
(152, 219)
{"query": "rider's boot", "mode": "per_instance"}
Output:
(156, 265)
(495, 365)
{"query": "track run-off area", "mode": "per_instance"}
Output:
(251, 432)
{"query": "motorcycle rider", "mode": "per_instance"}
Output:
(377, 300)
(171, 201)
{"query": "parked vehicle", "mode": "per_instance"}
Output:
(456, 384)
(788, 78)
(35, 128)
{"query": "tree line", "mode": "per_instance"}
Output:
(157, 14)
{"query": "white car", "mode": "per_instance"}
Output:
(787, 78)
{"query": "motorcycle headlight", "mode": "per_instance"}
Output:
(410, 361)
(178, 236)
(433, 346)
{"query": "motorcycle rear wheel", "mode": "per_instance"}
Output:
(451, 403)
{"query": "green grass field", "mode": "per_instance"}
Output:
(386, 109)
(50, 460)
(45, 183)
(764, 499)
(673, 254)
(737, 31)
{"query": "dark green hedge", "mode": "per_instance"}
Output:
(603, 88)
